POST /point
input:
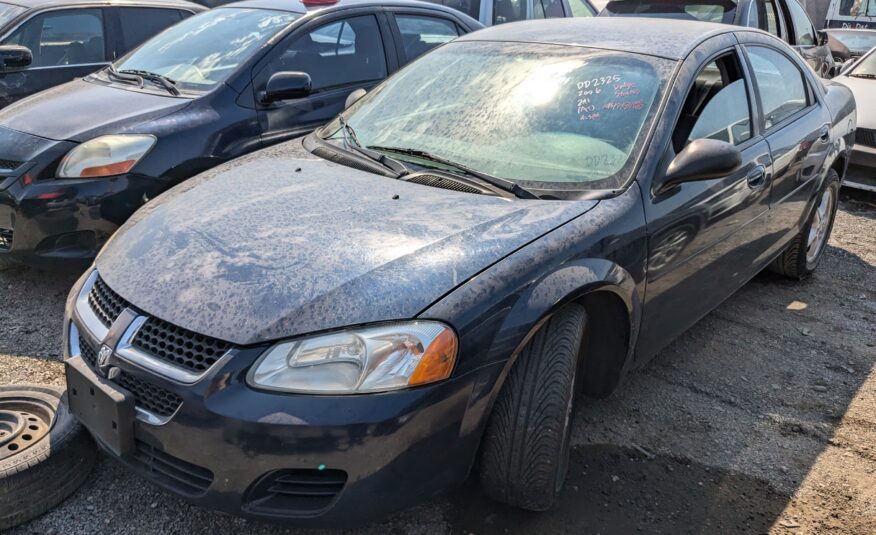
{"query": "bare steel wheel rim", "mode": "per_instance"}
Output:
(820, 224)
(23, 423)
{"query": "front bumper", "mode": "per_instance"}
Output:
(65, 221)
(302, 459)
(861, 173)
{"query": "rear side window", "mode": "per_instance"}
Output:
(422, 34)
(141, 23)
(472, 8)
(768, 17)
(547, 9)
(780, 83)
(508, 11)
(804, 33)
(63, 37)
(343, 52)
(580, 8)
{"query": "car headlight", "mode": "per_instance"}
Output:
(369, 359)
(105, 156)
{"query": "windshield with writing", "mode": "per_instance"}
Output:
(551, 116)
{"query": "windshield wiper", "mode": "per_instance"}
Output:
(160, 79)
(501, 183)
(351, 143)
(858, 75)
(122, 77)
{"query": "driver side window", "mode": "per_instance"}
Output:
(339, 53)
(64, 37)
(717, 106)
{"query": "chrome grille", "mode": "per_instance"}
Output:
(89, 355)
(179, 346)
(105, 303)
(147, 396)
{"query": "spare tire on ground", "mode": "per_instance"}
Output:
(45, 455)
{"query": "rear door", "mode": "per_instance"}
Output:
(341, 53)
(705, 237)
(797, 127)
(66, 44)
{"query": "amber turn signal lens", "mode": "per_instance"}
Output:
(438, 360)
(118, 168)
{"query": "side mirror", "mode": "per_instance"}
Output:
(354, 97)
(702, 159)
(15, 57)
(821, 37)
(286, 85)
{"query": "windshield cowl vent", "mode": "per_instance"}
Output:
(445, 182)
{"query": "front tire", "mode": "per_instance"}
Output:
(525, 452)
(804, 252)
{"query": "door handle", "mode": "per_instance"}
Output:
(824, 133)
(757, 177)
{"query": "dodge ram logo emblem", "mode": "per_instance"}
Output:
(103, 356)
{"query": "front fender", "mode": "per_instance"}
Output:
(495, 313)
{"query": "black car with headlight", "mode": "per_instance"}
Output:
(341, 325)
(77, 160)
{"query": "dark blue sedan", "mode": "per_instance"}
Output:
(342, 325)
(76, 161)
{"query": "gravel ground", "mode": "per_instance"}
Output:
(762, 418)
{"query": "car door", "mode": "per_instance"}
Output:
(138, 24)
(418, 31)
(341, 53)
(767, 15)
(65, 43)
(705, 236)
(796, 125)
(805, 40)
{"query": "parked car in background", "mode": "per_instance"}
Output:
(216, 86)
(336, 327)
(849, 44)
(856, 14)
(860, 77)
(44, 43)
(786, 19)
(491, 12)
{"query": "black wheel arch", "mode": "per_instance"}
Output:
(614, 308)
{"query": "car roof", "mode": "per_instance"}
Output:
(667, 38)
(297, 6)
(42, 4)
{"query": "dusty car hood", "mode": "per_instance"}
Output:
(80, 110)
(865, 98)
(255, 251)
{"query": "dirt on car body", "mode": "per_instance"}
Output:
(761, 418)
